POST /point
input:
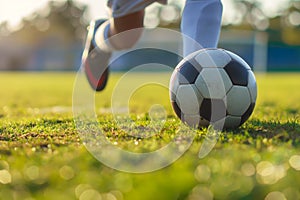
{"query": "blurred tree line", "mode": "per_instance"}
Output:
(64, 18)
(61, 25)
(283, 24)
(67, 17)
(49, 38)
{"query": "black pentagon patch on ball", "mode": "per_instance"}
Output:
(248, 113)
(188, 73)
(176, 109)
(213, 109)
(237, 73)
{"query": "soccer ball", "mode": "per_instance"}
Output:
(213, 87)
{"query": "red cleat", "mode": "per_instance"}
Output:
(94, 60)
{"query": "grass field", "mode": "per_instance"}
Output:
(42, 157)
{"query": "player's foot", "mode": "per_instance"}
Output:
(94, 60)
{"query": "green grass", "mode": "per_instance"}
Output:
(42, 156)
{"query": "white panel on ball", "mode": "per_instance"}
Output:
(174, 84)
(204, 122)
(192, 120)
(213, 83)
(227, 122)
(231, 121)
(212, 58)
(238, 100)
(188, 99)
(252, 86)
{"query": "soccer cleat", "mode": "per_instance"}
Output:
(94, 60)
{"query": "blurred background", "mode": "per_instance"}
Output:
(49, 35)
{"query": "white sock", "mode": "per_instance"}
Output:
(201, 21)
(101, 37)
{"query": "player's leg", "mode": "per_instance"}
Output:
(126, 15)
(115, 33)
(201, 21)
(104, 37)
